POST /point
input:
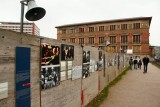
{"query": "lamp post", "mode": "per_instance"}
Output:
(34, 12)
(124, 58)
(107, 43)
(120, 50)
(22, 15)
(119, 57)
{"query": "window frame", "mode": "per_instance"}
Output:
(112, 27)
(112, 39)
(136, 39)
(72, 40)
(91, 40)
(91, 29)
(81, 40)
(101, 28)
(124, 39)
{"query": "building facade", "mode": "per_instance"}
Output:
(123, 34)
(29, 28)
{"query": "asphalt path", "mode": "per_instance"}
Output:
(136, 89)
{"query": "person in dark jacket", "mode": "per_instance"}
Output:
(140, 63)
(145, 63)
(130, 63)
(135, 62)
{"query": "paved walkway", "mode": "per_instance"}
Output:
(136, 89)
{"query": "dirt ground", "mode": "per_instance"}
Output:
(136, 89)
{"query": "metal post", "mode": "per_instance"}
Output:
(40, 58)
(82, 92)
(118, 63)
(22, 15)
(104, 65)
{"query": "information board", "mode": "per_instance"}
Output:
(23, 77)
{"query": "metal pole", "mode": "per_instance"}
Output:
(40, 58)
(22, 15)
(82, 92)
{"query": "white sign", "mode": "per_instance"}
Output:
(129, 51)
(63, 76)
(93, 66)
(3, 90)
(76, 72)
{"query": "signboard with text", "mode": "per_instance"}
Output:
(23, 98)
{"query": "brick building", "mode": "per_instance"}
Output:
(123, 34)
(29, 28)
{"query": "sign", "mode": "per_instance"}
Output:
(93, 66)
(76, 72)
(67, 52)
(23, 98)
(50, 66)
(3, 90)
(129, 51)
(86, 64)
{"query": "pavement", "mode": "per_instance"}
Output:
(136, 89)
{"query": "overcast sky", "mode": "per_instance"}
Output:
(61, 12)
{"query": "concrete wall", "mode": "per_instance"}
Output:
(8, 42)
(90, 84)
(69, 92)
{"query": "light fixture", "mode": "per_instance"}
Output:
(34, 12)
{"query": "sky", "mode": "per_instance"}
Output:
(61, 12)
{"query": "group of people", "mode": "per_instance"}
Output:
(50, 54)
(50, 77)
(137, 63)
(86, 56)
(67, 52)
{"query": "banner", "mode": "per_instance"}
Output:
(23, 98)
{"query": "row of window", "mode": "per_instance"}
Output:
(101, 28)
(124, 39)
(112, 39)
(16, 24)
(123, 49)
(25, 26)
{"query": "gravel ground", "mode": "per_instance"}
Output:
(136, 89)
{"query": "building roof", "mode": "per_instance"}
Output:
(108, 21)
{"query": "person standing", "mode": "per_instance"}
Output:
(135, 61)
(130, 63)
(145, 63)
(140, 63)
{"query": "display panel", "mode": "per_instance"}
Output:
(86, 64)
(100, 61)
(50, 77)
(67, 52)
(76, 72)
(3, 90)
(50, 54)
(22, 77)
(50, 66)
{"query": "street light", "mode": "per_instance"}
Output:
(107, 43)
(34, 12)
(120, 50)
(119, 57)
